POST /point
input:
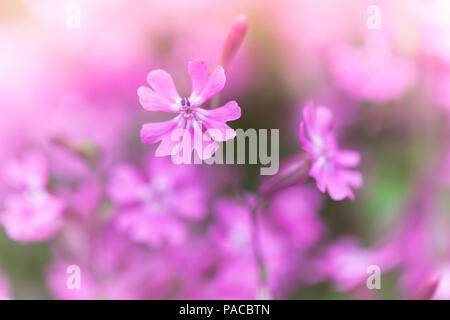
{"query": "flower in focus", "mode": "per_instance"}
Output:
(163, 96)
(151, 211)
(30, 213)
(330, 164)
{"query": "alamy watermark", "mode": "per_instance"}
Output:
(213, 143)
(374, 20)
(374, 280)
(73, 21)
(74, 279)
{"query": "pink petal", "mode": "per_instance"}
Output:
(198, 71)
(204, 149)
(318, 119)
(318, 173)
(29, 218)
(175, 174)
(153, 101)
(219, 131)
(228, 112)
(163, 84)
(125, 185)
(167, 147)
(214, 84)
(191, 203)
(176, 146)
(29, 171)
(152, 229)
(155, 131)
(340, 181)
(352, 177)
(215, 121)
(306, 144)
(347, 158)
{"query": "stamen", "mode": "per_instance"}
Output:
(188, 102)
(183, 102)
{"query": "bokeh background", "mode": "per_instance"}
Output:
(68, 99)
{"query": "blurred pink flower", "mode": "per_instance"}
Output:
(443, 287)
(163, 96)
(433, 17)
(151, 211)
(111, 267)
(345, 262)
(294, 211)
(438, 84)
(330, 163)
(29, 172)
(30, 213)
(371, 73)
(5, 289)
(238, 275)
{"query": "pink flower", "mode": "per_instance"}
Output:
(238, 276)
(28, 172)
(163, 96)
(295, 212)
(5, 288)
(31, 213)
(330, 164)
(371, 73)
(110, 267)
(345, 262)
(150, 211)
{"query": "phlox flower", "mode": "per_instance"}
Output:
(151, 211)
(330, 163)
(191, 116)
(30, 213)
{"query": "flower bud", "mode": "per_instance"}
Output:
(293, 170)
(234, 39)
(87, 150)
(428, 288)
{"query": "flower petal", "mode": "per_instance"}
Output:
(163, 84)
(190, 202)
(29, 171)
(125, 185)
(219, 131)
(155, 131)
(152, 229)
(318, 119)
(347, 158)
(339, 183)
(32, 217)
(153, 101)
(214, 84)
(198, 71)
(228, 112)
(204, 145)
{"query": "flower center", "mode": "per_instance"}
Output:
(156, 196)
(187, 110)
